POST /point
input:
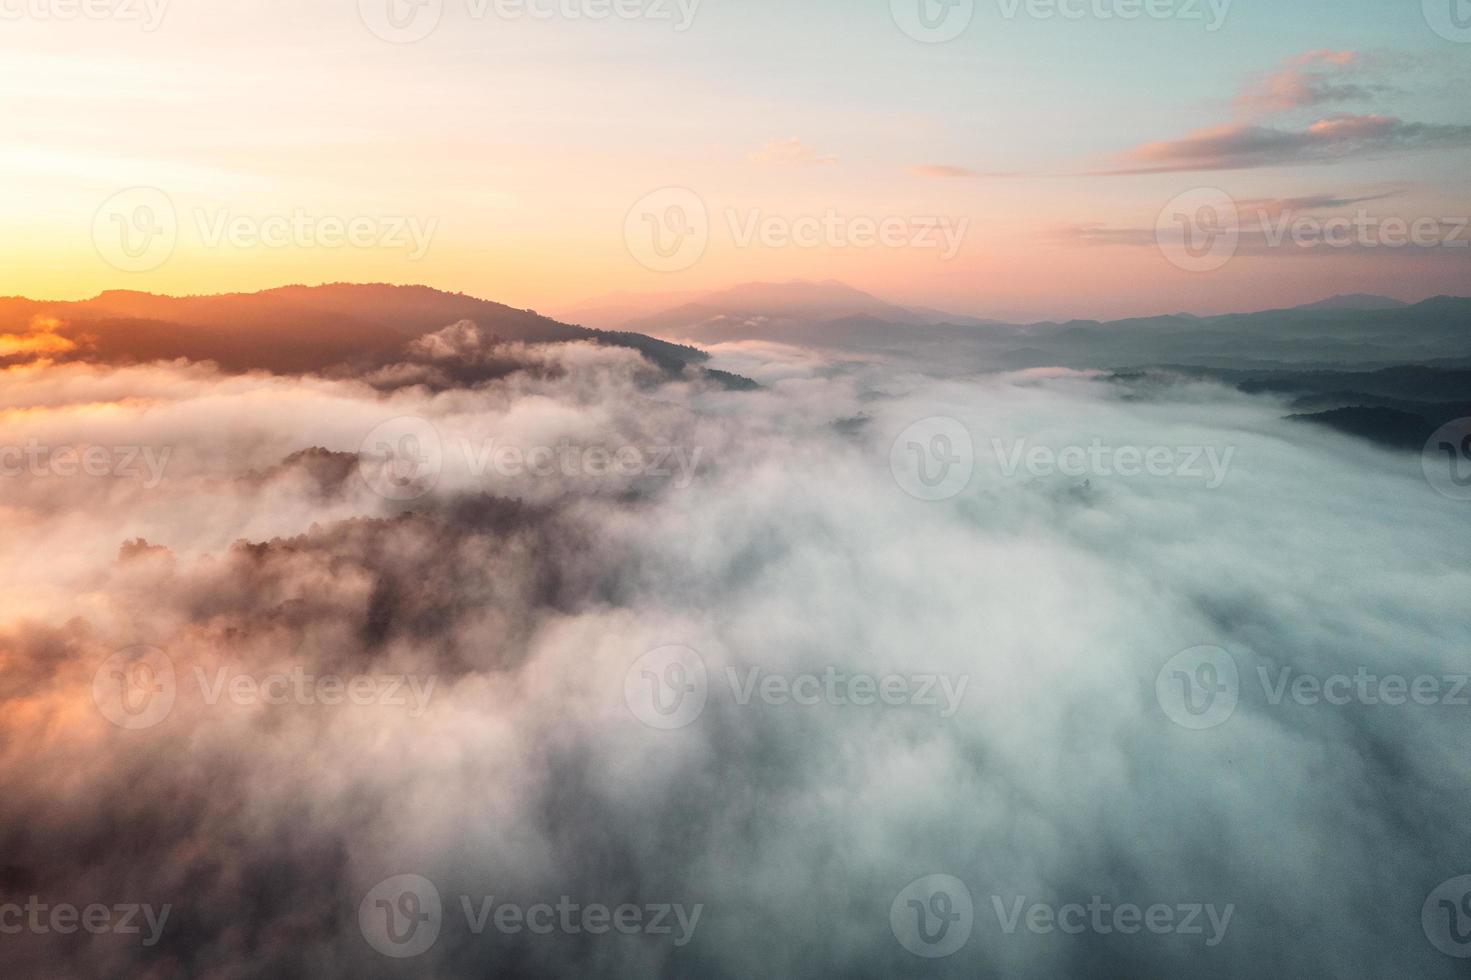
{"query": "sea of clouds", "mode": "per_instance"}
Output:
(750, 663)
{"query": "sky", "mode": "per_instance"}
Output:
(529, 152)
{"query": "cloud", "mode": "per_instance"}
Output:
(1308, 203)
(1260, 138)
(38, 340)
(946, 171)
(940, 170)
(529, 598)
(1309, 80)
(1238, 146)
(790, 153)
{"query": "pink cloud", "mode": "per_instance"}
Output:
(1305, 81)
(939, 170)
(790, 153)
(1238, 146)
(945, 171)
(1314, 78)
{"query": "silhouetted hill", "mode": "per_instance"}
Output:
(1354, 331)
(1387, 427)
(1397, 407)
(295, 328)
(1406, 382)
(1319, 337)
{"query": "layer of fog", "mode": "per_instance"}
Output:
(791, 547)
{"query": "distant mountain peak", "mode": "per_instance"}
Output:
(1354, 301)
(794, 293)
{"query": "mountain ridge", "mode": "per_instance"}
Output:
(294, 328)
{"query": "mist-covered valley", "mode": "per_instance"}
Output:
(501, 654)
